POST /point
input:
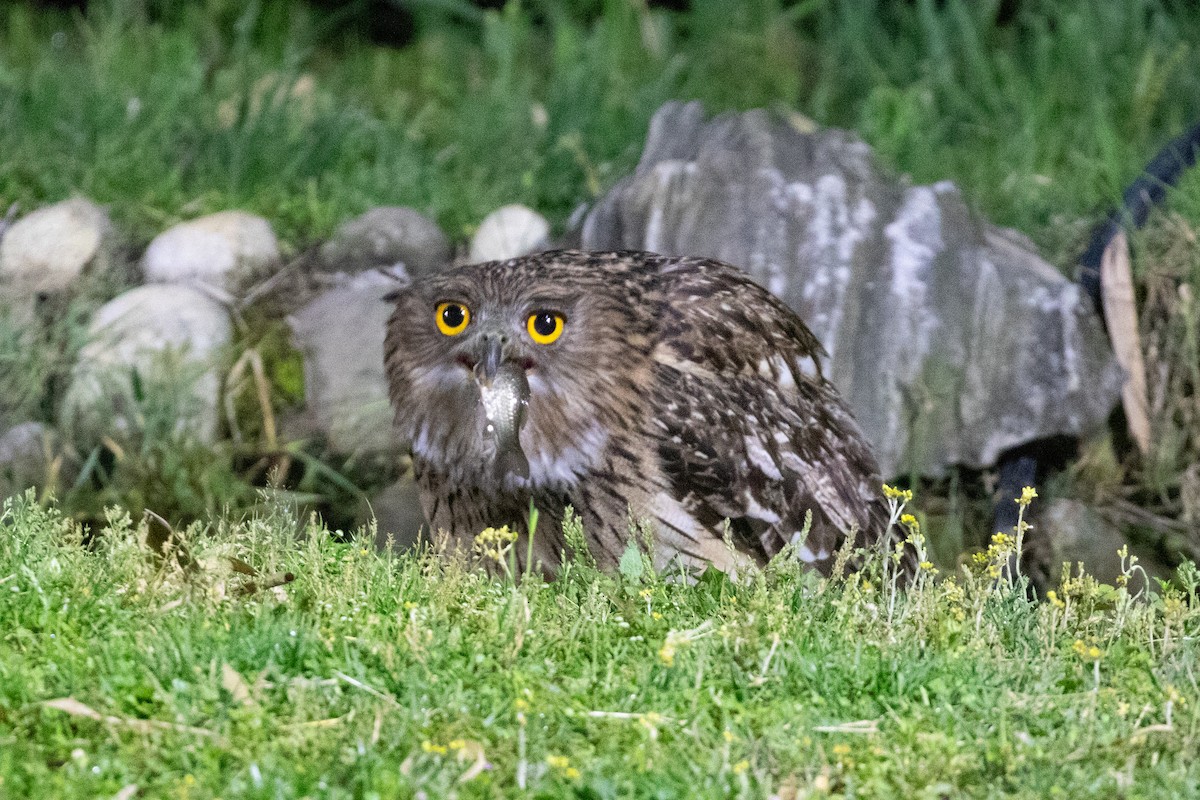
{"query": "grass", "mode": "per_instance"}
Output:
(376, 675)
(165, 111)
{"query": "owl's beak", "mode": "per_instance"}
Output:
(493, 355)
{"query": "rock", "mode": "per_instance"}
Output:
(340, 333)
(228, 251)
(397, 512)
(508, 232)
(385, 237)
(170, 337)
(951, 339)
(24, 458)
(46, 251)
(1071, 532)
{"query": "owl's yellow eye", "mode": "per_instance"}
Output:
(545, 326)
(452, 318)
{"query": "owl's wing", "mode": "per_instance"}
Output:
(749, 430)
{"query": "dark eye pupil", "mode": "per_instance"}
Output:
(545, 324)
(452, 316)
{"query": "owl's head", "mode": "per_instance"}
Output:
(575, 344)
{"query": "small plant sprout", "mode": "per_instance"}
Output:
(678, 639)
(897, 499)
(1028, 494)
(1090, 652)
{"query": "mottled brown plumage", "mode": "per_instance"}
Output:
(678, 392)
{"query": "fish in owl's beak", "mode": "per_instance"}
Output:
(504, 393)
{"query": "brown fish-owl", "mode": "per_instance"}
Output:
(632, 387)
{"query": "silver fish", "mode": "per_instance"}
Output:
(505, 399)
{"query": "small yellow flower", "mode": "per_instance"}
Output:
(741, 767)
(1027, 495)
(645, 594)
(892, 493)
(1055, 600)
(570, 773)
(655, 615)
(910, 522)
(1089, 652)
(928, 566)
(430, 747)
(728, 735)
(494, 543)
(521, 704)
(558, 762)
(456, 744)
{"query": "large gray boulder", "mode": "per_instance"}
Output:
(340, 334)
(951, 339)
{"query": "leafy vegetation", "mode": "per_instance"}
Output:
(199, 671)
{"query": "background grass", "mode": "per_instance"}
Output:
(167, 110)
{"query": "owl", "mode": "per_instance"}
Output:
(636, 389)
